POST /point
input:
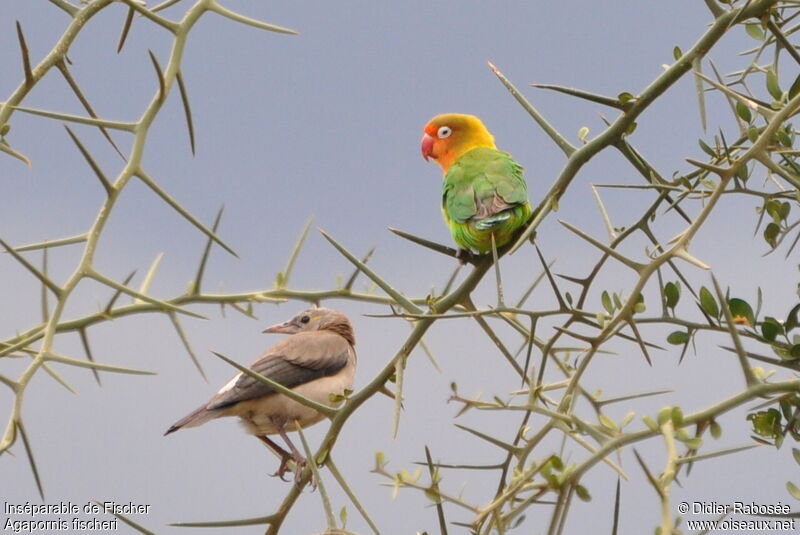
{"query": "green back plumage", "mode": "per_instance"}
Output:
(484, 193)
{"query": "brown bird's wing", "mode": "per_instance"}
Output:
(293, 361)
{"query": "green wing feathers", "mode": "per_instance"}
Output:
(484, 193)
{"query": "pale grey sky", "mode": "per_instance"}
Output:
(327, 124)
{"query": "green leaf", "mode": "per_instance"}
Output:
(784, 210)
(625, 97)
(766, 423)
(741, 311)
(795, 89)
(743, 112)
(664, 415)
(786, 408)
(678, 338)
(796, 454)
(639, 306)
(781, 352)
(606, 300)
(772, 85)
(783, 137)
(773, 208)
(754, 30)
(677, 416)
(708, 303)
(672, 293)
(770, 329)
(743, 173)
(607, 422)
(708, 150)
(793, 490)
(771, 234)
(650, 423)
(791, 319)
(676, 53)
(557, 463)
(752, 134)
(582, 493)
(715, 429)
(583, 132)
(794, 352)
(627, 419)
(433, 495)
(693, 443)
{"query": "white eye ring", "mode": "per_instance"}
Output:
(443, 132)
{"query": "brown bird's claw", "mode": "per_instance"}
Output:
(300, 464)
(283, 467)
(298, 474)
(279, 474)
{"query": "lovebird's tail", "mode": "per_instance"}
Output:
(493, 221)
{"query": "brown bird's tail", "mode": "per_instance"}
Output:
(193, 419)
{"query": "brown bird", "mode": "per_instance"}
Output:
(316, 361)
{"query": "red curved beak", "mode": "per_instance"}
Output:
(427, 147)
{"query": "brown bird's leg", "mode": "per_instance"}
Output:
(285, 455)
(297, 458)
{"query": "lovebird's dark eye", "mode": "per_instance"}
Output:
(305, 319)
(444, 131)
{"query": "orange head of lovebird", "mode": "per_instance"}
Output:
(448, 136)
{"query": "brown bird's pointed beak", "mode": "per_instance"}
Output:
(278, 328)
(427, 146)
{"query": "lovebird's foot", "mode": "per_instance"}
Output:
(463, 256)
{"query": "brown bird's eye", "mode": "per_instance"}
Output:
(443, 132)
(305, 319)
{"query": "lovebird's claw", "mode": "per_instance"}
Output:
(463, 256)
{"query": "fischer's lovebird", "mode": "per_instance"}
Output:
(484, 192)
